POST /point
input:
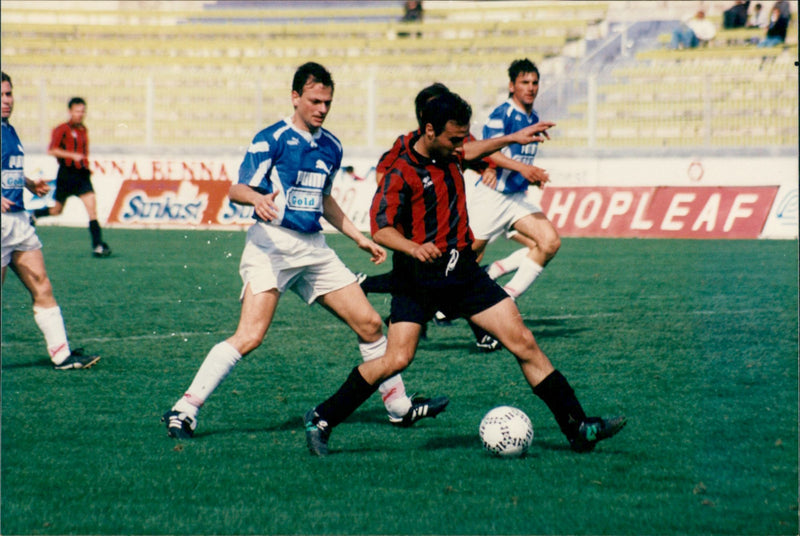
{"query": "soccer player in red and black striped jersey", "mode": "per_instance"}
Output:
(420, 212)
(69, 143)
(383, 283)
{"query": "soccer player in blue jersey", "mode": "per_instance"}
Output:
(21, 248)
(503, 206)
(287, 175)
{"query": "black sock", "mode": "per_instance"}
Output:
(478, 331)
(94, 230)
(556, 392)
(41, 212)
(353, 392)
(382, 284)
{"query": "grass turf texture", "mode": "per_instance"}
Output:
(696, 341)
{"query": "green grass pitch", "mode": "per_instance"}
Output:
(695, 341)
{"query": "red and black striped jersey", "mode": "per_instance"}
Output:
(424, 199)
(74, 138)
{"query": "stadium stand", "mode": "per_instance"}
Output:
(210, 74)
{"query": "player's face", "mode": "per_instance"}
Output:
(311, 108)
(524, 89)
(7, 100)
(77, 112)
(451, 139)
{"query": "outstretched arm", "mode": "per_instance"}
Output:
(474, 150)
(332, 212)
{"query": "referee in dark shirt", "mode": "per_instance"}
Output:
(70, 145)
(419, 211)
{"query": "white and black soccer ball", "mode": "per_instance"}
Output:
(506, 431)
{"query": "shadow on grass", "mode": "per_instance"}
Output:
(28, 364)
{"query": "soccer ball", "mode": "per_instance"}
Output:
(506, 431)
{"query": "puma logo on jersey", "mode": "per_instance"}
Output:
(293, 141)
(321, 165)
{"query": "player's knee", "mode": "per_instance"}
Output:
(551, 246)
(56, 210)
(397, 361)
(246, 342)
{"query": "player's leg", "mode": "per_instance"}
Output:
(361, 383)
(504, 321)
(546, 244)
(351, 305)
(255, 318)
(379, 284)
(30, 268)
(99, 248)
(511, 262)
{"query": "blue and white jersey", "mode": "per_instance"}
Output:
(507, 119)
(299, 165)
(13, 170)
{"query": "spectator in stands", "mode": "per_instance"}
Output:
(412, 11)
(778, 25)
(758, 19)
(70, 145)
(736, 15)
(694, 30)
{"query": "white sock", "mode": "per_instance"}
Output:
(215, 368)
(51, 323)
(507, 264)
(526, 274)
(393, 391)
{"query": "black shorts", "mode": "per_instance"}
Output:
(72, 181)
(455, 285)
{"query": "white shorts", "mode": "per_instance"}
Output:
(492, 213)
(18, 235)
(279, 258)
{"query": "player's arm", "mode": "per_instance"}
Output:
(58, 152)
(392, 238)
(334, 214)
(263, 204)
(533, 174)
(6, 204)
(474, 150)
(37, 187)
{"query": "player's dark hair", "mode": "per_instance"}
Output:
(75, 100)
(433, 90)
(519, 67)
(446, 107)
(311, 73)
(6, 78)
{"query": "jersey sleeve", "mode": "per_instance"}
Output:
(495, 126)
(389, 202)
(257, 162)
(56, 137)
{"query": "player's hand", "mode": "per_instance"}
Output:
(6, 205)
(265, 207)
(427, 252)
(536, 175)
(489, 178)
(38, 187)
(378, 254)
(533, 133)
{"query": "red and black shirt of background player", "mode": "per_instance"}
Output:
(74, 138)
(401, 145)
